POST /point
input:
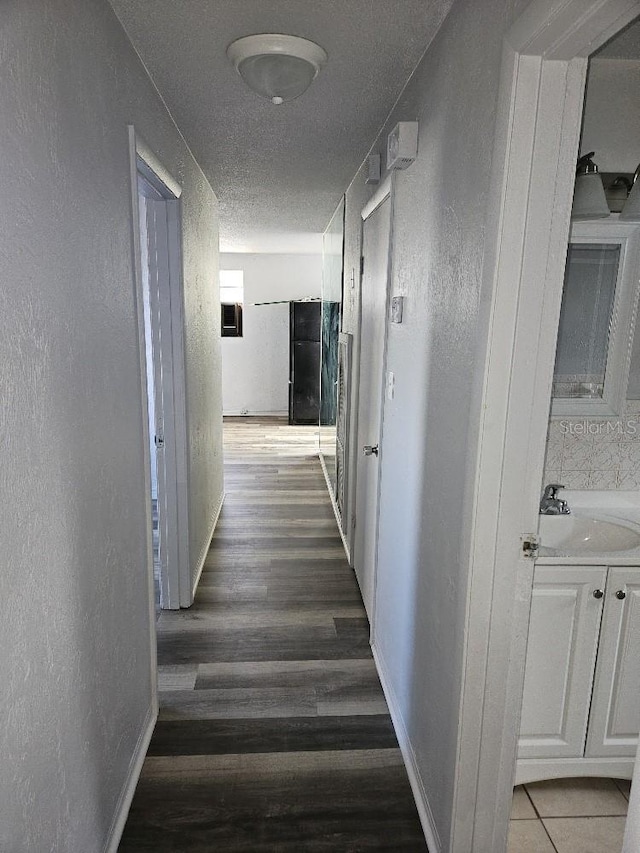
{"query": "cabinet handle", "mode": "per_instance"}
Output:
(621, 594)
(598, 593)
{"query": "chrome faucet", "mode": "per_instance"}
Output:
(551, 504)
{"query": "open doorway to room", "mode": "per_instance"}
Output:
(580, 712)
(546, 60)
(162, 345)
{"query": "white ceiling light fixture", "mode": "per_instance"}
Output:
(597, 194)
(631, 210)
(278, 67)
(589, 200)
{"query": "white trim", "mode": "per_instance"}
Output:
(567, 29)
(334, 504)
(538, 127)
(379, 197)
(133, 776)
(147, 154)
(203, 554)
(419, 794)
(180, 416)
(146, 453)
(383, 193)
(535, 769)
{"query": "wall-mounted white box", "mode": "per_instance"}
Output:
(402, 145)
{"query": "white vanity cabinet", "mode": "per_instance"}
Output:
(614, 720)
(581, 702)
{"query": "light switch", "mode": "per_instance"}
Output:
(391, 385)
(397, 305)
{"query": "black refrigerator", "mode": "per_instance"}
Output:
(304, 362)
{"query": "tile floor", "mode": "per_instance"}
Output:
(569, 816)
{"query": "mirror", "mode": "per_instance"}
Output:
(332, 268)
(597, 319)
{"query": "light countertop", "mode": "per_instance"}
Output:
(621, 507)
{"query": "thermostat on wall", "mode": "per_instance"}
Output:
(402, 145)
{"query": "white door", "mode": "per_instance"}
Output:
(566, 607)
(374, 286)
(160, 265)
(160, 309)
(615, 710)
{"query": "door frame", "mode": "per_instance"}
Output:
(383, 193)
(538, 126)
(177, 582)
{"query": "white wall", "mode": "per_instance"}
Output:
(255, 367)
(75, 627)
(611, 122)
(611, 128)
(430, 428)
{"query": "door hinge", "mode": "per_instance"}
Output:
(361, 265)
(530, 546)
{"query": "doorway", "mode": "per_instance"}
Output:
(162, 356)
(376, 234)
(545, 63)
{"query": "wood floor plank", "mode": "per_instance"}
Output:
(284, 673)
(225, 621)
(287, 734)
(261, 644)
(351, 810)
(181, 677)
(273, 734)
(239, 703)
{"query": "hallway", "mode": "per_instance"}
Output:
(273, 733)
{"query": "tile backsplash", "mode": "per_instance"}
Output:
(595, 453)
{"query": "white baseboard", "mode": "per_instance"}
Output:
(419, 794)
(336, 511)
(129, 787)
(207, 545)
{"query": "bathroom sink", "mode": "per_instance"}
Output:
(581, 534)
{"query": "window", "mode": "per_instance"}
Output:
(231, 300)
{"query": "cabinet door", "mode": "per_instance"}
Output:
(615, 711)
(561, 654)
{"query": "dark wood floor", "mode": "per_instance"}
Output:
(273, 734)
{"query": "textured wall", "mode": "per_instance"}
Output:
(428, 442)
(203, 359)
(75, 633)
(611, 123)
(255, 375)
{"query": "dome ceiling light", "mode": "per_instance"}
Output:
(276, 66)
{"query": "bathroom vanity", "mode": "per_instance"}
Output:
(581, 702)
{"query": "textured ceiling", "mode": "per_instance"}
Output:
(279, 171)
